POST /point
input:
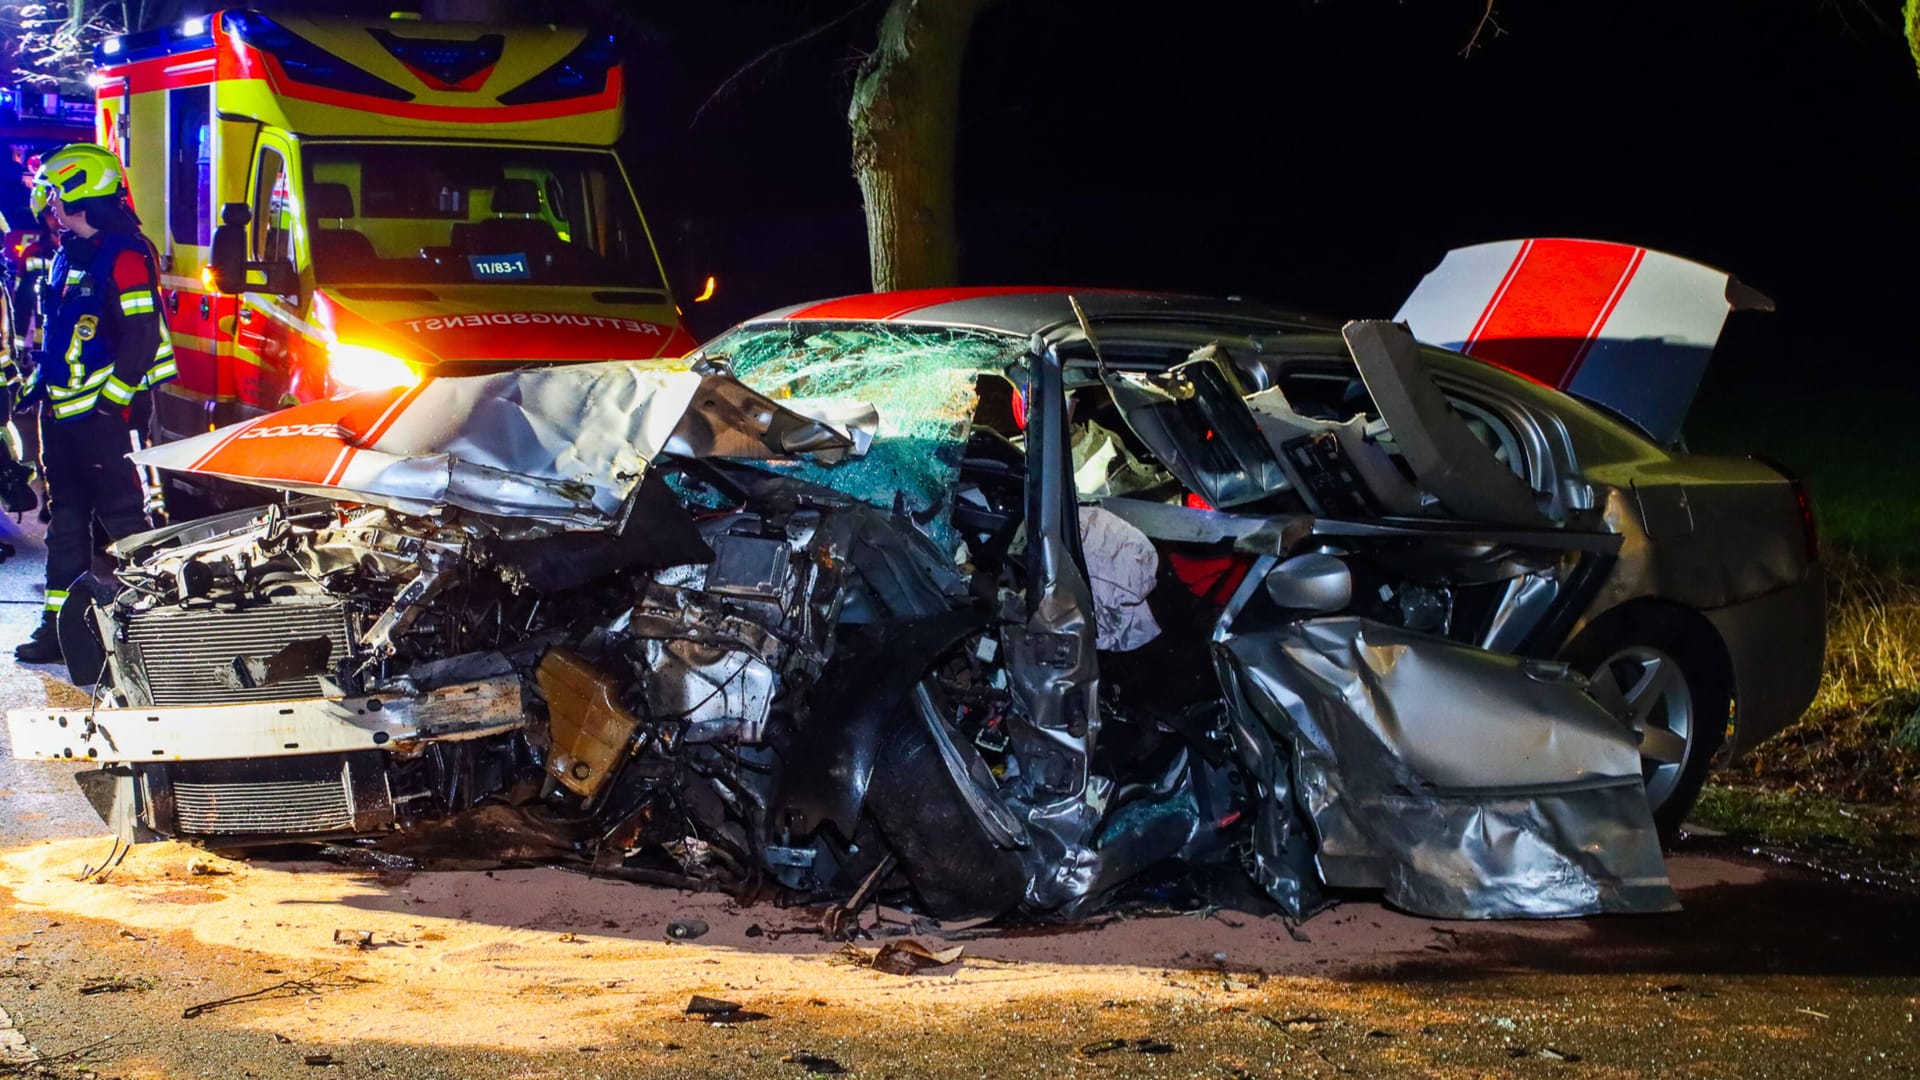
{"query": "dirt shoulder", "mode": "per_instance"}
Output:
(546, 973)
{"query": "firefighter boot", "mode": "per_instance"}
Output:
(43, 647)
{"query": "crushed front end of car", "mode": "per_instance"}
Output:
(684, 628)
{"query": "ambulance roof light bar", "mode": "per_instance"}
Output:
(194, 33)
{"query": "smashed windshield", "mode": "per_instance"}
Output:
(920, 379)
(411, 213)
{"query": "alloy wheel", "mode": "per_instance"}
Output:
(1647, 688)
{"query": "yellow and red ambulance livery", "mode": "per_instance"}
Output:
(406, 199)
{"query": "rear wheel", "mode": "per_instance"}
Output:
(1662, 674)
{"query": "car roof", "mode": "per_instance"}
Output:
(1023, 311)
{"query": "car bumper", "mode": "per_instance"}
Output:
(1776, 645)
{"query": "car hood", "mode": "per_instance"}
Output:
(486, 324)
(558, 447)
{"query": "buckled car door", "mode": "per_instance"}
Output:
(1446, 458)
(1624, 326)
(1195, 420)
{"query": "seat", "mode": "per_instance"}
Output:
(329, 202)
(336, 249)
(516, 197)
(500, 235)
(333, 248)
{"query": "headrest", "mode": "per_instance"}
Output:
(330, 201)
(516, 197)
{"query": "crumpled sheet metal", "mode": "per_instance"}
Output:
(1463, 783)
(565, 445)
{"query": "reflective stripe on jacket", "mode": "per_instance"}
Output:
(86, 357)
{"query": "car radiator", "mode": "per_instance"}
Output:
(178, 650)
(325, 793)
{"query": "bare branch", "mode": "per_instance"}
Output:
(777, 49)
(1486, 21)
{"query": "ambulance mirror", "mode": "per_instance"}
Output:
(228, 263)
(229, 266)
(281, 278)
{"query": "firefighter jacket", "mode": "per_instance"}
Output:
(105, 338)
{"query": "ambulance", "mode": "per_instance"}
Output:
(342, 204)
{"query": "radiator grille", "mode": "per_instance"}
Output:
(278, 806)
(181, 647)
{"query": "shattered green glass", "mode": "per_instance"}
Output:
(920, 379)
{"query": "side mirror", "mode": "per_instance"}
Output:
(281, 279)
(1312, 582)
(229, 267)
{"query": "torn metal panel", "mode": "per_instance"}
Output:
(270, 729)
(1463, 783)
(1194, 420)
(1442, 451)
(561, 445)
(1303, 445)
(1050, 659)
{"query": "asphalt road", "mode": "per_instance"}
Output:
(1769, 972)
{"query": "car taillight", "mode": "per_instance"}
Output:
(1810, 532)
(1803, 501)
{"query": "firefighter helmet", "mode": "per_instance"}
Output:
(78, 171)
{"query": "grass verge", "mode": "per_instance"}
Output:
(1843, 782)
(1860, 739)
(1848, 835)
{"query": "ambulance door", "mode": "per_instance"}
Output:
(267, 329)
(194, 400)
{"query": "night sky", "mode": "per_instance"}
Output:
(1322, 156)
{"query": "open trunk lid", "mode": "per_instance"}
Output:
(1626, 327)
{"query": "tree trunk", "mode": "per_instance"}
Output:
(905, 119)
(1913, 30)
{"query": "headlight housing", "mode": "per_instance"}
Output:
(363, 367)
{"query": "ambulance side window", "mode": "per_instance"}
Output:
(272, 211)
(189, 173)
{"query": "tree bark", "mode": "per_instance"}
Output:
(1913, 30)
(905, 120)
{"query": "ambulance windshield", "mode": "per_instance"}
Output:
(400, 213)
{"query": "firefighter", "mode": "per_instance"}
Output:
(105, 342)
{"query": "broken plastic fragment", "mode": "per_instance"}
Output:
(909, 957)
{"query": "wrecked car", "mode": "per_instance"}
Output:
(986, 600)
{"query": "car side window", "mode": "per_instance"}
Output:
(1494, 433)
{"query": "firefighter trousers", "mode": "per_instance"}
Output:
(88, 478)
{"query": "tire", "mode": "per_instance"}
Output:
(1666, 672)
(957, 870)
